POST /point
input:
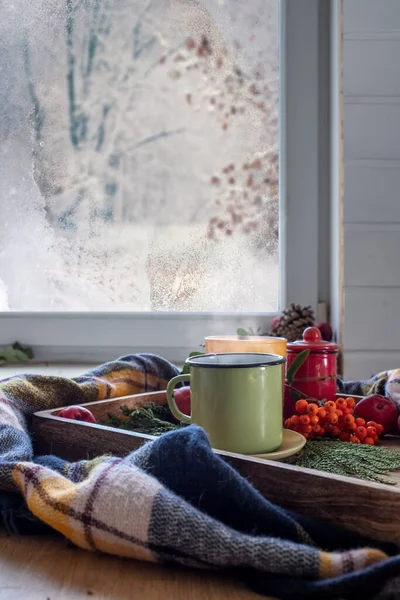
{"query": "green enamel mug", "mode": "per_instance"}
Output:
(237, 399)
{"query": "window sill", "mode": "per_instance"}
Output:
(52, 369)
(68, 370)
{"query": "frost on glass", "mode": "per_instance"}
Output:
(139, 155)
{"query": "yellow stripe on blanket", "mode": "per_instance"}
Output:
(124, 382)
(47, 494)
(109, 511)
(334, 564)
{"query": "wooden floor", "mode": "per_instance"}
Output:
(47, 569)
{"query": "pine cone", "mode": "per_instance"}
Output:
(293, 322)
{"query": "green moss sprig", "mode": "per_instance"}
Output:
(153, 420)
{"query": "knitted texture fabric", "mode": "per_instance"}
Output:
(386, 383)
(173, 500)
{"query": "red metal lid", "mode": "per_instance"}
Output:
(312, 341)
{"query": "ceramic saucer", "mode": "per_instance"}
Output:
(292, 442)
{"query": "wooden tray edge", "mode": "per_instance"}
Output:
(50, 412)
(370, 508)
(229, 456)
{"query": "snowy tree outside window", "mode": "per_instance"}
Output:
(139, 155)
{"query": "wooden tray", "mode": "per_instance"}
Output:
(372, 509)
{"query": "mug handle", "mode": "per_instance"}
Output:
(171, 401)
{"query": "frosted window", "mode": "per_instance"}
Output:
(139, 155)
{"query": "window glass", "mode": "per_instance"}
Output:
(139, 155)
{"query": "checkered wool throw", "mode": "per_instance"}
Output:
(173, 500)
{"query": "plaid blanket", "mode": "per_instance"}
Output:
(173, 500)
(386, 383)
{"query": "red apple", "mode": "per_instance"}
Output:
(78, 413)
(291, 395)
(275, 321)
(182, 399)
(326, 331)
(380, 409)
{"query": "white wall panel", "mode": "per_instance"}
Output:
(372, 255)
(366, 364)
(371, 130)
(370, 15)
(372, 192)
(371, 67)
(372, 319)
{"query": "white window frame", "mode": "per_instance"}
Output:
(304, 133)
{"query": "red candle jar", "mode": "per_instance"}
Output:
(316, 378)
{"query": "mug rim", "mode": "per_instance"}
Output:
(245, 338)
(265, 360)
